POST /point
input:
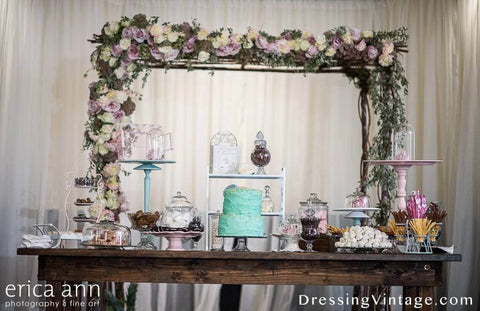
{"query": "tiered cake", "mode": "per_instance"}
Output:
(242, 213)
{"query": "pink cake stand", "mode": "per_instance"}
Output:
(175, 238)
(401, 167)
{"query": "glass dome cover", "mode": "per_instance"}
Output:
(106, 234)
(179, 212)
(357, 200)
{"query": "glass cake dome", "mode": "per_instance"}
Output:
(179, 212)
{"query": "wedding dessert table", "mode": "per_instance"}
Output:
(418, 274)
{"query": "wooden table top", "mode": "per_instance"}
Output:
(315, 256)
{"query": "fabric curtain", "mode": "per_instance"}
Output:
(310, 123)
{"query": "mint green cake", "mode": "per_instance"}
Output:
(242, 213)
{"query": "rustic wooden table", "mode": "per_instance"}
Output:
(418, 274)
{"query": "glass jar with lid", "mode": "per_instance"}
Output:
(260, 155)
(321, 210)
(403, 143)
(105, 234)
(357, 200)
(179, 212)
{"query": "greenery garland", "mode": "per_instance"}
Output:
(131, 47)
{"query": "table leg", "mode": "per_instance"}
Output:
(425, 293)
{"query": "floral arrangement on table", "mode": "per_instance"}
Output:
(132, 46)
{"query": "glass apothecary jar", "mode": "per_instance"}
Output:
(106, 234)
(321, 210)
(357, 200)
(215, 242)
(179, 212)
(403, 143)
(260, 155)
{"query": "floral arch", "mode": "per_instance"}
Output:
(131, 47)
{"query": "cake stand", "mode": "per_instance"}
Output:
(147, 166)
(357, 213)
(175, 238)
(241, 242)
(401, 167)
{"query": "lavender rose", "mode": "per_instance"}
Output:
(312, 51)
(118, 115)
(93, 107)
(272, 48)
(124, 62)
(356, 34)
(190, 45)
(116, 50)
(133, 51)
(111, 106)
(171, 55)
(261, 42)
(156, 53)
(127, 33)
(361, 45)
(337, 42)
(139, 34)
(372, 52)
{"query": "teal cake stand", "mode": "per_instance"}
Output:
(147, 166)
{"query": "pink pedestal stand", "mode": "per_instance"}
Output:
(401, 167)
(175, 238)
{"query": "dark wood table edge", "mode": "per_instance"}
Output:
(237, 255)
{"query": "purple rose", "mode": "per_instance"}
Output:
(93, 107)
(287, 36)
(111, 106)
(312, 51)
(272, 48)
(222, 51)
(127, 33)
(171, 55)
(311, 40)
(116, 50)
(190, 45)
(124, 62)
(150, 41)
(132, 51)
(156, 53)
(261, 42)
(139, 34)
(337, 42)
(118, 115)
(372, 52)
(230, 49)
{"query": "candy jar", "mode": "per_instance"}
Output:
(321, 209)
(196, 225)
(178, 213)
(357, 200)
(310, 221)
(215, 242)
(267, 203)
(289, 234)
(403, 142)
(260, 155)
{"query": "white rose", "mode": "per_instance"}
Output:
(304, 45)
(120, 72)
(125, 120)
(159, 39)
(321, 46)
(114, 27)
(367, 34)
(107, 129)
(107, 117)
(172, 37)
(107, 30)
(156, 30)
(121, 96)
(320, 39)
(125, 43)
(247, 44)
(388, 47)
(203, 56)
(216, 43)
(102, 150)
(165, 49)
(131, 67)
(385, 60)
(112, 61)
(330, 52)
(347, 38)
(105, 136)
(202, 34)
(126, 23)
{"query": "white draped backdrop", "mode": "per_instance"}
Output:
(310, 123)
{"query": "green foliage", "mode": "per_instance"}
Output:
(118, 304)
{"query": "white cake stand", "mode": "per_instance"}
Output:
(357, 213)
(401, 167)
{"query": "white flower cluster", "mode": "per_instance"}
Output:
(364, 237)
